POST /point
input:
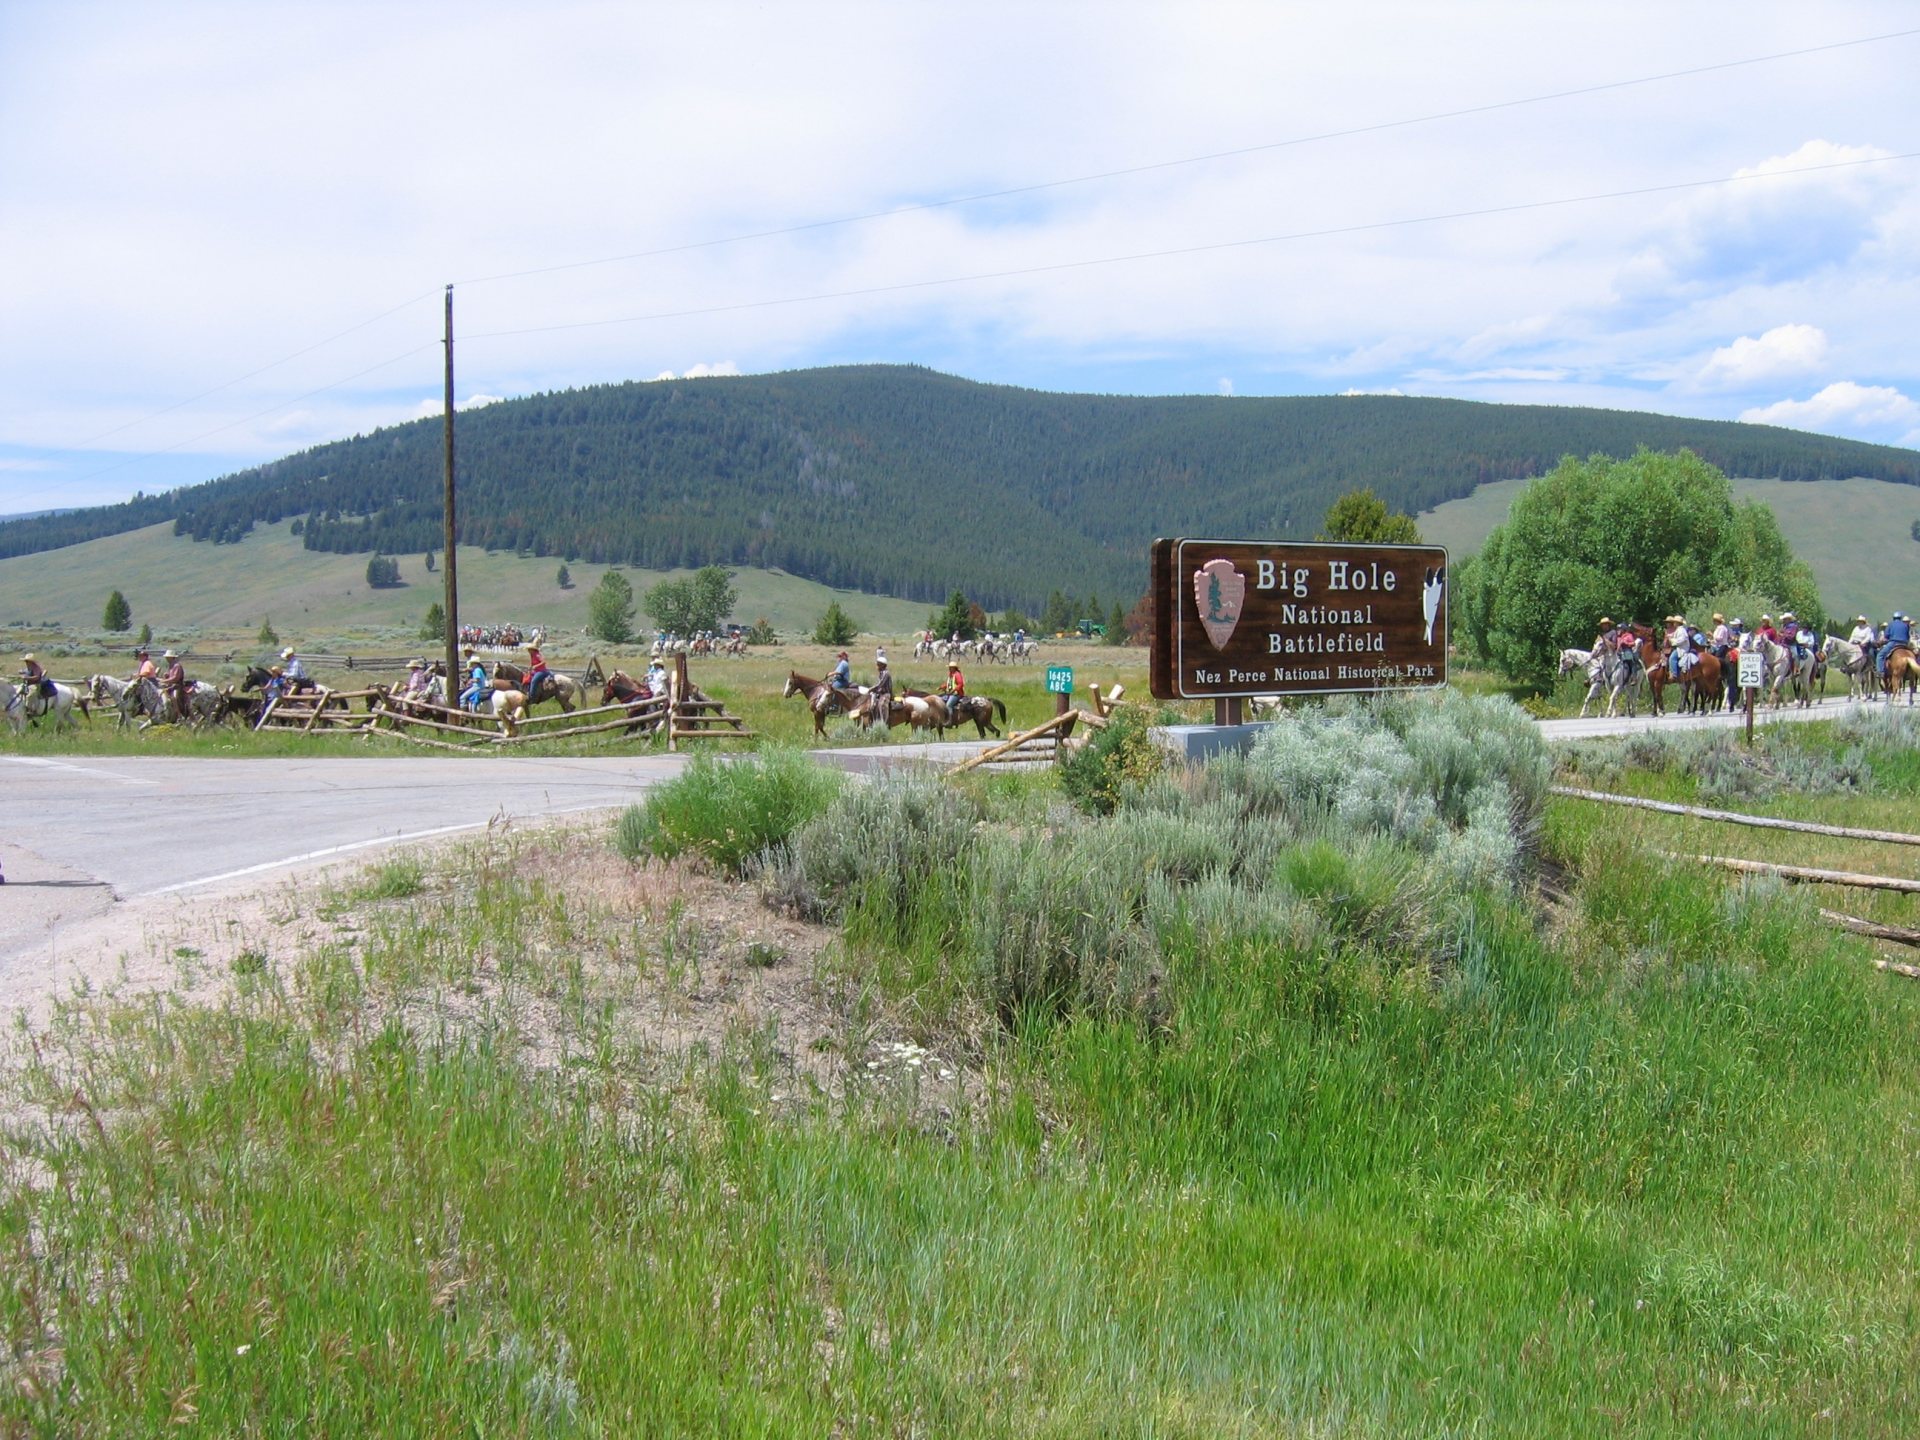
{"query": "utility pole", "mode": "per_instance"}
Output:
(454, 680)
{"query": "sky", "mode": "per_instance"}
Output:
(226, 228)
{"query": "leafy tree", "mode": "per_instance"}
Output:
(146, 635)
(1117, 625)
(1058, 616)
(1630, 539)
(761, 632)
(700, 601)
(1012, 619)
(956, 618)
(563, 577)
(1360, 517)
(835, 626)
(383, 572)
(434, 625)
(428, 559)
(610, 609)
(119, 614)
(268, 635)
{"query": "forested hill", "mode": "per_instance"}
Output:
(902, 481)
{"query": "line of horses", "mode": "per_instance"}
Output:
(917, 709)
(1710, 682)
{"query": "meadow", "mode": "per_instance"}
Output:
(1359, 1088)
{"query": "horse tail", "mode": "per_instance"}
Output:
(999, 708)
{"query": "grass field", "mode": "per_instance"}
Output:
(1856, 534)
(1630, 1153)
(181, 587)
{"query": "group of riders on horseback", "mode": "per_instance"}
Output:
(1698, 660)
(952, 694)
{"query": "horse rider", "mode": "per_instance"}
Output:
(1861, 636)
(1679, 645)
(880, 698)
(296, 673)
(276, 685)
(842, 676)
(146, 680)
(657, 680)
(419, 681)
(33, 673)
(1721, 641)
(536, 671)
(879, 655)
(478, 682)
(1795, 636)
(1767, 632)
(174, 682)
(955, 691)
(1899, 634)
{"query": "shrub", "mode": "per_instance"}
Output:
(1117, 757)
(835, 626)
(877, 847)
(728, 811)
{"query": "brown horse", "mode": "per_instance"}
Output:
(822, 699)
(647, 708)
(1903, 673)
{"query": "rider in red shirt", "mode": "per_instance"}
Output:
(536, 670)
(955, 689)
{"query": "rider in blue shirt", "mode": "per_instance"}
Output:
(1899, 632)
(842, 677)
(478, 682)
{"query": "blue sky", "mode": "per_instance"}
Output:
(224, 227)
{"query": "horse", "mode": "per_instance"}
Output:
(1701, 690)
(1801, 670)
(622, 689)
(822, 699)
(131, 697)
(25, 703)
(1854, 661)
(564, 688)
(980, 709)
(1776, 663)
(1903, 673)
(918, 712)
(509, 708)
(1618, 674)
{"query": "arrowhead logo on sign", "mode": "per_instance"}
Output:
(1218, 589)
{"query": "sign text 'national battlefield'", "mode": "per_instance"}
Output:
(1247, 617)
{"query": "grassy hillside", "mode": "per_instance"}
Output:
(175, 584)
(1856, 534)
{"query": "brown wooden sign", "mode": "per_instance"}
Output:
(1248, 617)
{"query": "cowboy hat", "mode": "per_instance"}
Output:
(841, 656)
(416, 664)
(169, 656)
(1859, 619)
(953, 664)
(1606, 619)
(1719, 618)
(287, 654)
(26, 657)
(1767, 616)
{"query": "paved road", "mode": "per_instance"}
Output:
(88, 833)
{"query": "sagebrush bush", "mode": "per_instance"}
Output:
(728, 809)
(1463, 778)
(877, 846)
(1119, 757)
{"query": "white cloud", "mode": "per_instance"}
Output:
(701, 371)
(427, 408)
(1225, 384)
(1866, 412)
(1785, 350)
(1373, 392)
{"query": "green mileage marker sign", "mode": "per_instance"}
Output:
(1059, 679)
(1246, 617)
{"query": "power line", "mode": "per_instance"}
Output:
(1320, 234)
(1208, 158)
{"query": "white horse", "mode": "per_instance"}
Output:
(509, 709)
(1853, 661)
(27, 702)
(1776, 663)
(130, 697)
(1618, 675)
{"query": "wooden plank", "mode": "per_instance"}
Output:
(486, 728)
(1733, 817)
(1060, 726)
(680, 734)
(424, 740)
(1896, 967)
(1898, 934)
(1806, 874)
(319, 705)
(601, 728)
